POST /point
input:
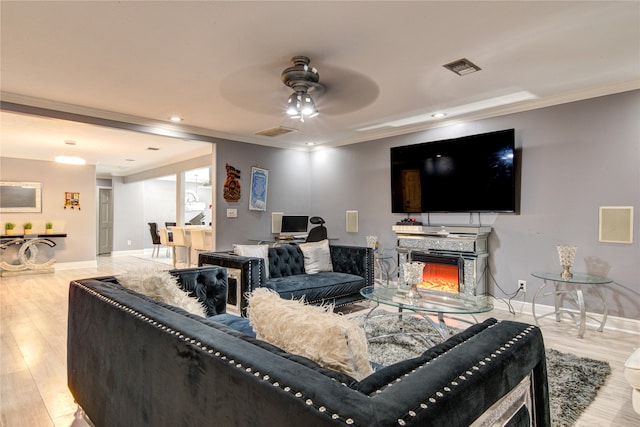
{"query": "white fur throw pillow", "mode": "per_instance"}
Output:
(254, 251)
(161, 286)
(317, 256)
(315, 332)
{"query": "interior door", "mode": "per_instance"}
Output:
(105, 221)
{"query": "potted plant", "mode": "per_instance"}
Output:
(48, 227)
(8, 228)
(27, 227)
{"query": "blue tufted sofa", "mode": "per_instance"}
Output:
(352, 270)
(132, 361)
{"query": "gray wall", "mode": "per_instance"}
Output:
(288, 190)
(56, 179)
(575, 158)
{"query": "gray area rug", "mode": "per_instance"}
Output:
(573, 381)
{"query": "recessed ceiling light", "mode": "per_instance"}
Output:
(129, 160)
(69, 142)
(310, 144)
(153, 149)
(175, 119)
(439, 115)
(70, 160)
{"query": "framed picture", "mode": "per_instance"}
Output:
(71, 200)
(20, 196)
(258, 190)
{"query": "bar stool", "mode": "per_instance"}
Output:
(164, 240)
(199, 241)
(182, 243)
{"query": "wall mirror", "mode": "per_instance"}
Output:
(20, 196)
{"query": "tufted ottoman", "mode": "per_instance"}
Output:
(632, 374)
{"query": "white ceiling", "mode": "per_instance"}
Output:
(218, 65)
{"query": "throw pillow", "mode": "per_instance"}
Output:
(317, 256)
(315, 332)
(254, 251)
(161, 286)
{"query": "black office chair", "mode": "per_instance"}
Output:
(155, 238)
(318, 233)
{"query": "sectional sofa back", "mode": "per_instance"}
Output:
(286, 260)
(134, 361)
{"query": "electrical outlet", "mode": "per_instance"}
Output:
(522, 285)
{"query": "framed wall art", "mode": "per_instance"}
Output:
(71, 199)
(258, 191)
(20, 196)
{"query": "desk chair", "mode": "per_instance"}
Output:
(318, 233)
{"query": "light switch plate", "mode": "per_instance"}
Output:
(232, 213)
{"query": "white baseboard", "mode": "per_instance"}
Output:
(134, 252)
(75, 265)
(613, 322)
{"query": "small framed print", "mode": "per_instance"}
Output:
(616, 224)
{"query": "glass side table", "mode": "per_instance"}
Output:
(572, 288)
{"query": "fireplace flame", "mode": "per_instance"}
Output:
(439, 277)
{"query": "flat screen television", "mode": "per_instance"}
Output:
(469, 174)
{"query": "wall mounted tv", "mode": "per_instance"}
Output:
(468, 174)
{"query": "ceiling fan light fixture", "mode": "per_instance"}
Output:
(308, 107)
(294, 104)
(301, 78)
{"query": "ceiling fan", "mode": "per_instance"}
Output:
(302, 78)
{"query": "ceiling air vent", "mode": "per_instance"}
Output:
(277, 131)
(462, 67)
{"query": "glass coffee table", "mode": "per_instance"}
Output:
(435, 304)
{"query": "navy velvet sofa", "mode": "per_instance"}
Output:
(352, 270)
(133, 361)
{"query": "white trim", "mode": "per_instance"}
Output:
(623, 324)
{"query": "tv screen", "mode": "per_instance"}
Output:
(294, 224)
(468, 174)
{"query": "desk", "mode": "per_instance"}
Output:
(573, 288)
(28, 253)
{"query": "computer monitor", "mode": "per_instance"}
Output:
(294, 224)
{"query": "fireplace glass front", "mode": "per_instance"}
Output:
(441, 273)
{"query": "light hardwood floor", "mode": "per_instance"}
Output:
(33, 322)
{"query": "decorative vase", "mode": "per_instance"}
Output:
(413, 276)
(27, 231)
(9, 232)
(567, 256)
(48, 231)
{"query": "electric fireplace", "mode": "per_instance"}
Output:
(441, 273)
(456, 258)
